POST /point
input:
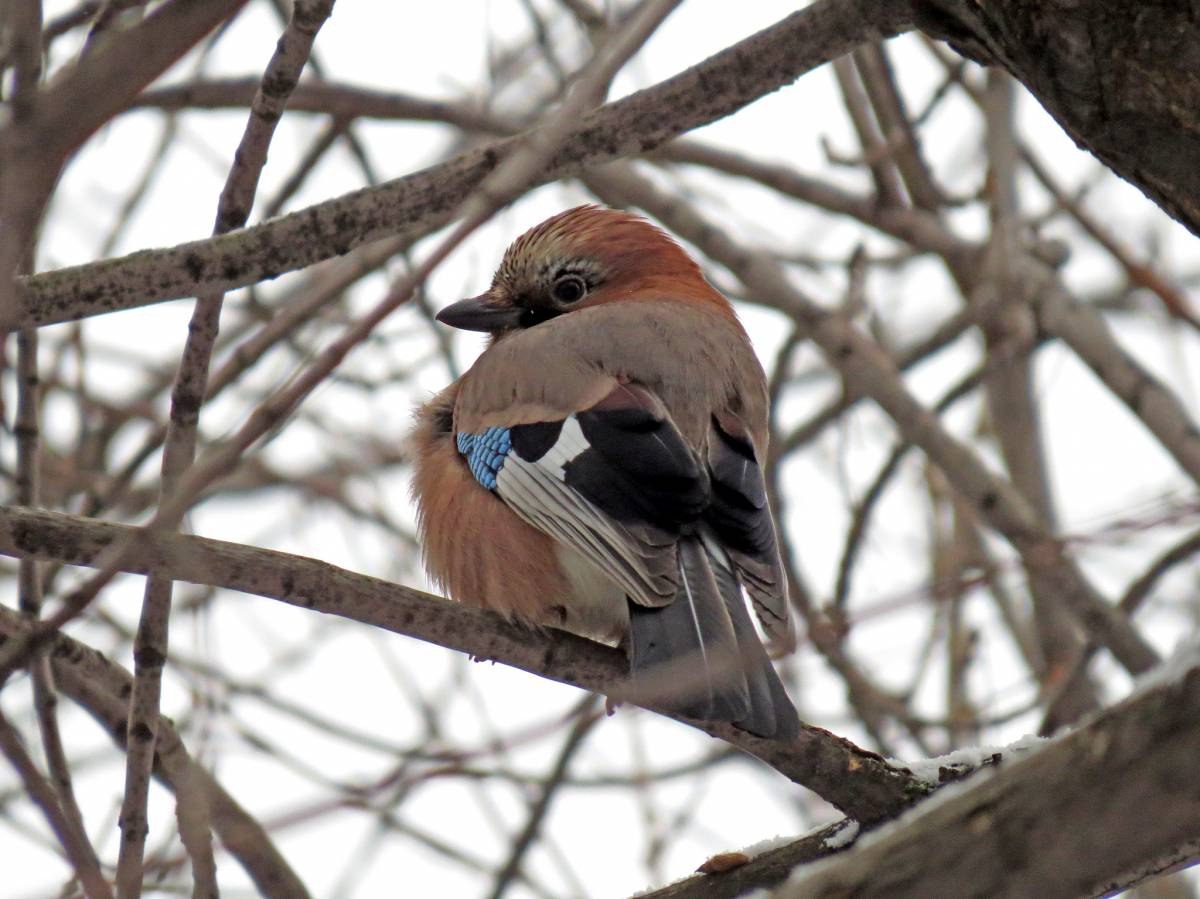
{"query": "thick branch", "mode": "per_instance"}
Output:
(1098, 810)
(422, 202)
(860, 783)
(1122, 79)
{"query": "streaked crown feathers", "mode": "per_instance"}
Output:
(613, 248)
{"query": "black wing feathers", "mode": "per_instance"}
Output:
(696, 653)
(700, 655)
(637, 466)
(771, 713)
(738, 510)
(741, 518)
(533, 441)
(685, 653)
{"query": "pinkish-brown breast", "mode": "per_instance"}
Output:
(474, 546)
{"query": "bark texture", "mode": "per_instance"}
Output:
(1089, 814)
(1123, 79)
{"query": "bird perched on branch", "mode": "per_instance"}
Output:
(599, 469)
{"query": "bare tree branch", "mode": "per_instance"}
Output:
(35, 146)
(423, 202)
(1090, 813)
(150, 644)
(102, 688)
(1110, 78)
(858, 782)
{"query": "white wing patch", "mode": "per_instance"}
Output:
(570, 444)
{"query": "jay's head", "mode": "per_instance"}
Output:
(580, 259)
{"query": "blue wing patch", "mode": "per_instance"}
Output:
(485, 453)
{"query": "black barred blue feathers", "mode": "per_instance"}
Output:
(485, 453)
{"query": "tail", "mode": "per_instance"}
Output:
(700, 656)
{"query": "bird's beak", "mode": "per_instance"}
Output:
(480, 313)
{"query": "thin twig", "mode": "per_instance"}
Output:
(585, 722)
(150, 644)
(73, 842)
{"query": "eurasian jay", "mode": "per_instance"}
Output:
(598, 467)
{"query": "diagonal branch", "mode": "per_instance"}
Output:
(424, 201)
(69, 832)
(1091, 813)
(860, 783)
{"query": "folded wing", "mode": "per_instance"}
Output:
(679, 532)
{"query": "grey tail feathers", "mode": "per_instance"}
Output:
(700, 656)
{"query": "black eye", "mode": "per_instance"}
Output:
(569, 289)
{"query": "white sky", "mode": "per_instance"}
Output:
(1104, 465)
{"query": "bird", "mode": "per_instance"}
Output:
(598, 468)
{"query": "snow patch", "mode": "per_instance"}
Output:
(843, 836)
(1185, 657)
(938, 770)
(754, 850)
